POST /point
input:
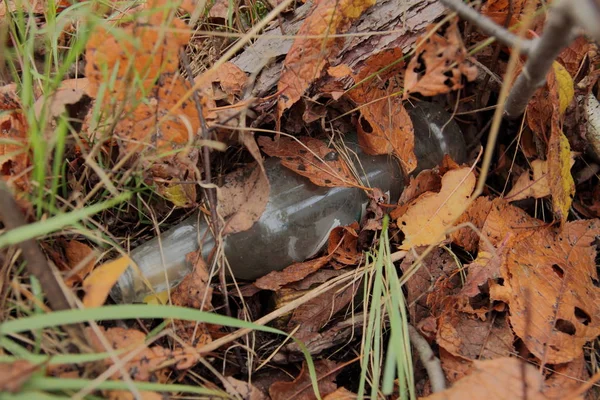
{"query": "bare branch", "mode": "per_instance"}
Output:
(489, 27)
(431, 363)
(559, 32)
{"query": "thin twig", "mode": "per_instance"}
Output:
(36, 262)
(488, 26)
(559, 32)
(432, 364)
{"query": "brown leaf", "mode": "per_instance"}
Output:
(14, 150)
(301, 388)
(219, 9)
(341, 394)
(498, 11)
(565, 378)
(439, 64)
(384, 126)
(311, 158)
(469, 337)
(455, 367)
(148, 363)
(14, 374)
(431, 214)
(80, 259)
(126, 395)
(232, 79)
(343, 244)
(572, 57)
(296, 272)
(194, 291)
(550, 285)
(476, 214)
(245, 389)
(307, 58)
(500, 379)
(70, 92)
(243, 198)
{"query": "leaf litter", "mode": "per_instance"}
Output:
(523, 283)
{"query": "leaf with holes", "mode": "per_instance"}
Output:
(439, 64)
(551, 287)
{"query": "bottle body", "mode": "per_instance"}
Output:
(297, 219)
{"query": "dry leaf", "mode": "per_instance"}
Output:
(343, 244)
(232, 79)
(244, 389)
(536, 186)
(194, 291)
(566, 378)
(294, 273)
(80, 257)
(439, 64)
(572, 57)
(243, 198)
(14, 150)
(499, 10)
(14, 374)
(100, 281)
(55, 104)
(126, 395)
(562, 185)
(428, 218)
(384, 126)
(310, 158)
(307, 58)
(301, 388)
(476, 214)
(500, 379)
(550, 285)
(148, 363)
(341, 394)
(219, 9)
(134, 53)
(33, 7)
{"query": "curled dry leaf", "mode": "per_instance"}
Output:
(553, 272)
(476, 214)
(500, 379)
(439, 64)
(343, 244)
(243, 198)
(311, 158)
(384, 126)
(301, 388)
(562, 184)
(428, 217)
(307, 57)
(100, 281)
(80, 259)
(296, 272)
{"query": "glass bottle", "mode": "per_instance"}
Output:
(298, 217)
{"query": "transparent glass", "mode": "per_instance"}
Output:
(298, 217)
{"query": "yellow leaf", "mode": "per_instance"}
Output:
(562, 185)
(566, 90)
(157, 298)
(98, 284)
(428, 218)
(181, 195)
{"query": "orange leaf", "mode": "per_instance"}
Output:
(439, 64)
(14, 151)
(233, 80)
(476, 214)
(431, 214)
(307, 57)
(296, 272)
(99, 283)
(311, 158)
(343, 244)
(15, 374)
(500, 379)
(550, 285)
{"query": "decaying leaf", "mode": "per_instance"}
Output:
(294, 273)
(476, 214)
(550, 285)
(431, 214)
(245, 389)
(572, 57)
(565, 378)
(311, 158)
(499, 10)
(301, 388)
(439, 64)
(384, 126)
(499, 379)
(535, 186)
(14, 149)
(343, 244)
(308, 57)
(341, 394)
(100, 281)
(243, 198)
